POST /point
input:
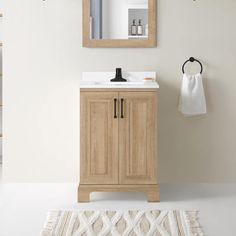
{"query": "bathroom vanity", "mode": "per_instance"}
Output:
(118, 136)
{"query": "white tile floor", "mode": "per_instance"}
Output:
(25, 205)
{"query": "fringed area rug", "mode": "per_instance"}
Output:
(128, 223)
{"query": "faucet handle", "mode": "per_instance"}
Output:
(118, 77)
(118, 72)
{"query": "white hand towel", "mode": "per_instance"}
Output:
(192, 97)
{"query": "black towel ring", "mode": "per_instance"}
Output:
(192, 59)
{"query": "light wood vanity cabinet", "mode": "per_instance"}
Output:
(118, 142)
(137, 138)
(99, 138)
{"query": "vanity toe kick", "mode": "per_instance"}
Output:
(151, 190)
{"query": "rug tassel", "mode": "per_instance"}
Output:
(52, 219)
(194, 227)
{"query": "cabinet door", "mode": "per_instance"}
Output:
(138, 138)
(99, 138)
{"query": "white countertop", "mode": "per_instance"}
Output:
(134, 80)
(150, 85)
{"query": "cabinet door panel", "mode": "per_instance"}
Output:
(137, 138)
(99, 138)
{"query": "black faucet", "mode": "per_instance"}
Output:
(118, 77)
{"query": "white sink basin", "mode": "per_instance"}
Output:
(120, 83)
(105, 84)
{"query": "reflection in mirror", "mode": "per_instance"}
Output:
(118, 19)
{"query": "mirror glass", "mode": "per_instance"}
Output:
(118, 19)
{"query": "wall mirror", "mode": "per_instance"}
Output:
(119, 23)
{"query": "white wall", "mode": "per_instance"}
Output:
(43, 62)
(0, 84)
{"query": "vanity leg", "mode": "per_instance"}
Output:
(83, 194)
(153, 194)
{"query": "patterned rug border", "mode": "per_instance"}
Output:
(61, 222)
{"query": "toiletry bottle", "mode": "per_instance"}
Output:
(140, 28)
(133, 28)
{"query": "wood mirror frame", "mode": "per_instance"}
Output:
(120, 43)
